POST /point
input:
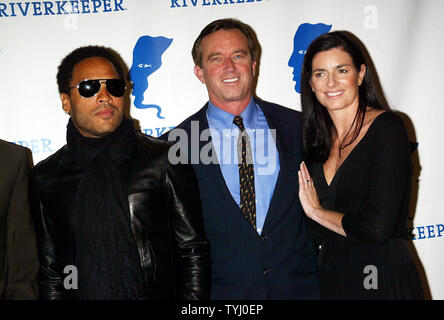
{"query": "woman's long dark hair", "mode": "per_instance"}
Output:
(317, 124)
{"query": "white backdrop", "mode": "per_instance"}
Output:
(402, 36)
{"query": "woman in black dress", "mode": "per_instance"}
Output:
(356, 192)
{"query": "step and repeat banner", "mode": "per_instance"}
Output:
(155, 37)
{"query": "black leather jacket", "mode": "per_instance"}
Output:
(165, 217)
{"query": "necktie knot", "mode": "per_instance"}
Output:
(238, 121)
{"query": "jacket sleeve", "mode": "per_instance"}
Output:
(23, 265)
(51, 287)
(192, 248)
(379, 216)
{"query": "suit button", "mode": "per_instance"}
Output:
(264, 237)
(267, 271)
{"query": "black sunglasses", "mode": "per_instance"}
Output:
(89, 87)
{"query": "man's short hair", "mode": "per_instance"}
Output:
(224, 24)
(66, 67)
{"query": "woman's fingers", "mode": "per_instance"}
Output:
(307, 192)
(301, 172)
(306, 178)
(301, 180)
(305, 171)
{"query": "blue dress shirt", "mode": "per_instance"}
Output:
(224, 134)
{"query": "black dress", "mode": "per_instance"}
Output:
(372, 189)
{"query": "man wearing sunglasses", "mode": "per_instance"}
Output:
(114, 219)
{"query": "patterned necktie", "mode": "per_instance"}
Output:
(246, 173)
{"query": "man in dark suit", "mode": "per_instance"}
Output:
(246, 154)
(19, 265)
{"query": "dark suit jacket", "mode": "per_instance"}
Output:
(279, 264)
(18, 252)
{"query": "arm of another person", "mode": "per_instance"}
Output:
(376, 221)
(23, 265)
(51, 287)
(192, 249)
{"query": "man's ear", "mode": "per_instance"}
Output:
(198, 71)
(66, 103)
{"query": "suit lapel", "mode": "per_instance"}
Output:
(213, 178)
(286, 188)
(211, 173)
